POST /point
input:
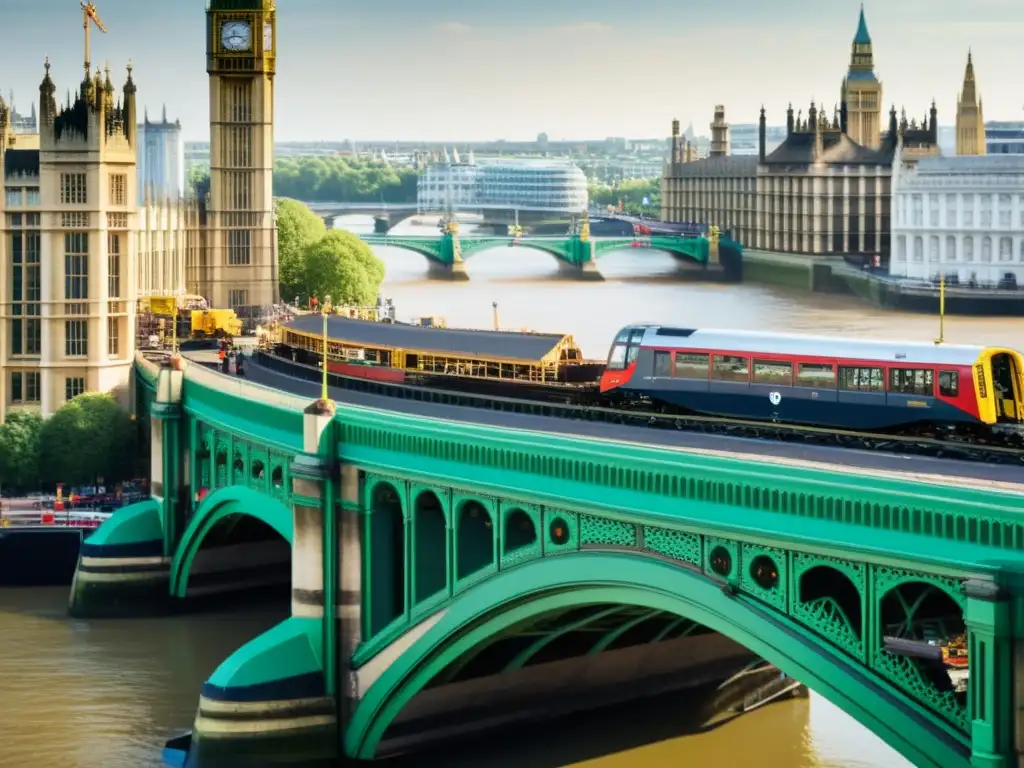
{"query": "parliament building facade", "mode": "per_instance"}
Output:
(77, 252)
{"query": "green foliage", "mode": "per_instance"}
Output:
(198, 178)
(89, 438)
(297, 229)
(19, 452)
(333, 178)
(631, 193)
(341, 266)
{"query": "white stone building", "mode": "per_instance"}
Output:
(962, 217)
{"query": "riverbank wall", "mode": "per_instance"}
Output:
(832, 275)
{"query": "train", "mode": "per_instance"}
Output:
(888, 387)
(818, 381)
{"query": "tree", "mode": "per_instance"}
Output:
(89, 438)
(631, 192)
(297, 229)
(198, 179)
(19, 452)
(341, 266)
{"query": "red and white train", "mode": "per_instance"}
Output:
(818, 381)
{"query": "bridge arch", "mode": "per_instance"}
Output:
(215, 508)
(592, 578)
(557, 248)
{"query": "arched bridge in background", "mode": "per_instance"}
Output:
(433, 562)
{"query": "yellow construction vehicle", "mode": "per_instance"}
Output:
(215, 324)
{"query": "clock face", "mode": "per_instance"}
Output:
(268, 37)
(236, 36)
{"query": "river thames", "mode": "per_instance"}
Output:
(108, 693)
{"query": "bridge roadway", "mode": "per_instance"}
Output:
(927, 469)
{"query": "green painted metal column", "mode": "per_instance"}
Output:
(166, 468)
(990, 688)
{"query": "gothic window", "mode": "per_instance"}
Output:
(918, 248)
(986, 248)
(118, 189)
(950, 248)
(76, 272)
(72, 189)
(933, 248)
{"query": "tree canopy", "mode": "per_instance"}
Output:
(88, 439)
(631, 193)
(335, 178)
(297, 229)
(19, 452)
(341, 266)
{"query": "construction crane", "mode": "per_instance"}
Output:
(89, 17)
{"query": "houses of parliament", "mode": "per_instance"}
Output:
(77, 252)
(827, 188)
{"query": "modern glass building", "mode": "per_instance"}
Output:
(160, 160)
(534, 185)
(1004, 138)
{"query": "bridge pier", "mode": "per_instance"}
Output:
(455, 271)
(586, 270)
(124, 567)
(277, 695)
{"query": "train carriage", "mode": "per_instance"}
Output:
(820, 381)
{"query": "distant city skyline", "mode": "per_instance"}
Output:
(462, 71)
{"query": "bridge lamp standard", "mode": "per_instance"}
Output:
(325, 309)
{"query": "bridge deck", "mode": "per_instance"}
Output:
(524, 348)
(925, 469)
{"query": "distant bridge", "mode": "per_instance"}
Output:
(577, 256)
(398, 212)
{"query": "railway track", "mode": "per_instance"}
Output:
(934, 447)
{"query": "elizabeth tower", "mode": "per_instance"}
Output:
(241, 238)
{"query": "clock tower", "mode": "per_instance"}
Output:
(240, 265)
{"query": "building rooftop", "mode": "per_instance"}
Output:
(21, 161)
(441, 342)
(971, 164)
(728, 166)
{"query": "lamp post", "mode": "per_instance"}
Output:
(325, 310)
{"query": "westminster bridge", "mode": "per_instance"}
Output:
(438, 563)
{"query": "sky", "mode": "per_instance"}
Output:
(460, 70)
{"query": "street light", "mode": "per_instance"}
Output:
(325, 311)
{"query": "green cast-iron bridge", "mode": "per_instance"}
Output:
(575, 254)
(425, 552)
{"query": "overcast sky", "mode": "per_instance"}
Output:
(466, 69)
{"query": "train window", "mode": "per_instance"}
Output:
(691, 365)
(731, 368)
(773, 372)
(617, 357)
(623, 336)
(911, 381)
(637, 336)
(632, 353)
(662, 364)
(816, 375)
(861, 379)
(949, 383)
